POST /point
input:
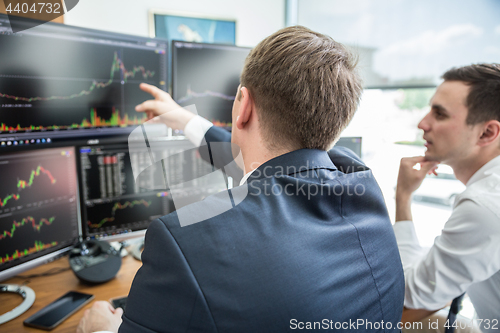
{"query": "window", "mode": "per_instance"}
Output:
(408, 43)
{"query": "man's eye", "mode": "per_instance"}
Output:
(439, 114)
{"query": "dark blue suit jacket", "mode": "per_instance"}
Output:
(321, 251)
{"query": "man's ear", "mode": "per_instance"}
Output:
(490, 134)
(246, 108)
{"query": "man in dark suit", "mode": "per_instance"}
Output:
(307, 243)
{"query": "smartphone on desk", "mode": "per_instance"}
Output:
(57, 311)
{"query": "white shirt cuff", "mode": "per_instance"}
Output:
(196, 129)
(408, 244)
(405, 232)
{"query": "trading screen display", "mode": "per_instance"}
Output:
(207, 76)
(114, 203)
(38, 204)
(63, 79)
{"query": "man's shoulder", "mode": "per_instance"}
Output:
(485, 193)
(199, 210)
(346, 160)
(303, 183)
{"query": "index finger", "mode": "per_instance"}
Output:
(150, 89)
(148, 106)
(411, 161)
(415, 159)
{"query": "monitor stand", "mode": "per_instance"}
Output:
(26, 293)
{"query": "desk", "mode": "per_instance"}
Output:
(49, 288)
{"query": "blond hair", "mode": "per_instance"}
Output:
(305, 87)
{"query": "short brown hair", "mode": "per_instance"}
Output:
(305, 87)
(483, 100)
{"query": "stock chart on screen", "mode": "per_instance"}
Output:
(59, 78)
(114, 203)
(38, 202)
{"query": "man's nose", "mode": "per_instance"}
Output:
(424, 124)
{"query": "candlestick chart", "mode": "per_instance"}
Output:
(110, 214)
(24, 233)
(18, 254)
(22, 184)
(38, 201)
(33, 182)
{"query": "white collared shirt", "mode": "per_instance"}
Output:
(245, 177)
(465, 257)
(196, 129)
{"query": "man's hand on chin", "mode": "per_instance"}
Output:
(100, 317)
(412, 172)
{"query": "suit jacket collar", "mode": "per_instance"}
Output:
(292, 163)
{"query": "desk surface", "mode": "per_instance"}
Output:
(49, 288)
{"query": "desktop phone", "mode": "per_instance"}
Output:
(57, 311)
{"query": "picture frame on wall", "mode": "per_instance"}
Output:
(191, 27)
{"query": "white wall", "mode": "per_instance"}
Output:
(255, 19)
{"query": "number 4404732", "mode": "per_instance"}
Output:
(483, 323)
(36, 8)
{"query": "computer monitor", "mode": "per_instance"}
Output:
(61, 87)
(353, 143)
(118, 206)
(66, 81)
(39, 207)
(208, 76)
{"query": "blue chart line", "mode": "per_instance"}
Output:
(207, 93)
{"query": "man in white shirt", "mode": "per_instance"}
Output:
(461, 130)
